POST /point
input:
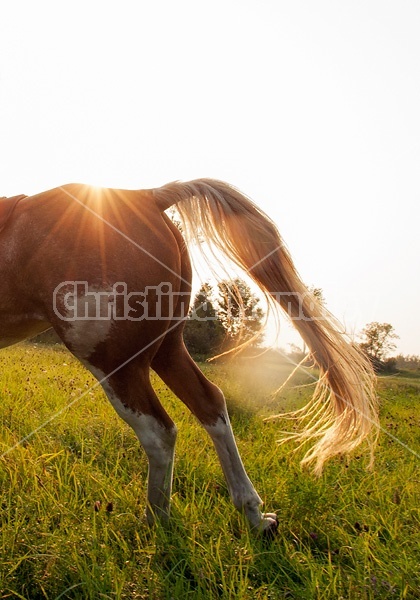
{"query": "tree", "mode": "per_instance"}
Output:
(219, 322)
(204, 332)
(239, 312)
(378, 340)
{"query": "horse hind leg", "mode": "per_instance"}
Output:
(131, 394)
(206, 401)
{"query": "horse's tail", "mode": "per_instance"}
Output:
(343, 410)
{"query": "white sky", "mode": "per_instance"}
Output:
(311, 108)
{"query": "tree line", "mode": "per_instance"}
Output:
(229, 314)
(222, 317)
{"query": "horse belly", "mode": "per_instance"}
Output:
(16, 328)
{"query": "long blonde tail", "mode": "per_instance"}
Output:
(343, 409)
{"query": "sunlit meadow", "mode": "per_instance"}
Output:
(73, 495)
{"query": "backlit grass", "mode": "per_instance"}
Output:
(73, 496)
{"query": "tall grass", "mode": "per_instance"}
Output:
(73, 496)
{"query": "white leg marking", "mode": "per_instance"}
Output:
(242, 492)
(158, 443)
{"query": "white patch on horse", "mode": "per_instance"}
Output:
(157, 441)
(154, 437)
(85, 334)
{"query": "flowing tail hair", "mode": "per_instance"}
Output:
(343, 410)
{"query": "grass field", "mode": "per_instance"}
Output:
(73, 495)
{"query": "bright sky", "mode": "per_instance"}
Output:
(311, 108)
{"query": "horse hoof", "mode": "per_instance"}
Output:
(269, 526)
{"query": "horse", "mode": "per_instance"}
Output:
(111, 273)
